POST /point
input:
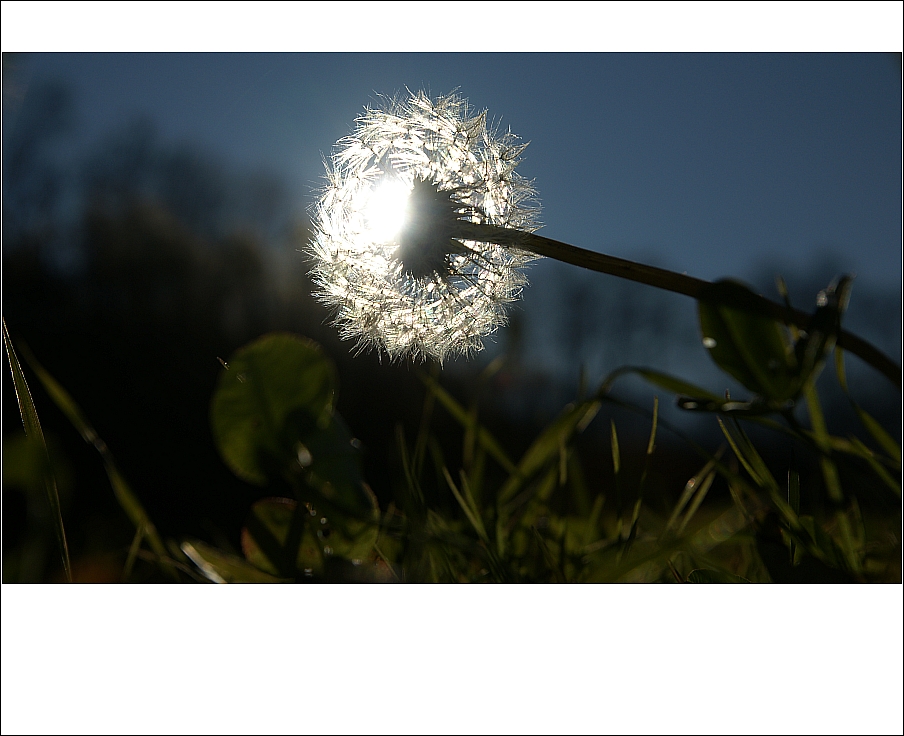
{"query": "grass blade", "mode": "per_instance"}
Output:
(547, 445)
(885, 440)
(420, 444)
(616, 470)
(651, 445)
(663, 380)
(593, 520)
(830, 474)
(33, 429)
(414, 488)
(470, 512)
(126, 498)
(461, 415)
(823, 442)
(548, 556)
(749, 457)
(794, 500)
(703, 476)
(702, 490)
(133, 554)
(868, 455)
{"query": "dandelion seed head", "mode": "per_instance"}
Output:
(386, 258)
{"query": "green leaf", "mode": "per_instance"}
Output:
(266, 538)
(333, 469)
(272, 418)
(714, 576)
(276, 532)
(222, 567)
(33, 430)
(275, 389)
(747, 345)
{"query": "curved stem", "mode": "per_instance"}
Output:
(669, 281)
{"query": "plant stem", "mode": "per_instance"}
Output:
(669, 281)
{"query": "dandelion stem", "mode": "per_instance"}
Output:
(669, 281)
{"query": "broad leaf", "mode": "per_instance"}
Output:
(281, 541)
(745, 344)
(222, 567)
(274, 391)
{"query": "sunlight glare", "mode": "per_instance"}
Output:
(386, 210)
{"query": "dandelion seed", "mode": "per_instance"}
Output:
(392, 256)
(423, 229)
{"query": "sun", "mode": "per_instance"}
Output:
(386, 210)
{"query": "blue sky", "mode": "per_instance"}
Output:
(707, 163)
(713, 164)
